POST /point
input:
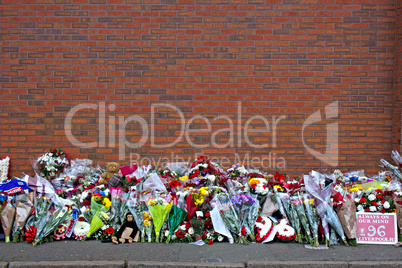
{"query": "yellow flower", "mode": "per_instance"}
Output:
(184, 178)
(203, 191)
(97, 198)
(253, 181)
(146, 223)
(277, 187)
(147, 216)
(151, 202)
(199, 201)
(106, 202)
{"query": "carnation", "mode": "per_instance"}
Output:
(386, 205)
(373, 208)
(372, 197)
(359, 208)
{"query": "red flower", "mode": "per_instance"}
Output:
(30, 234)
(109, 230)
(174, 184)
(206, 170)
(243, 231)
(383, 210)
(374, 203)
(380, 196)
(196, 172)
(54, 150)
(383, 201)
(367, 210)
(362, 200)
(210, 242)
(259, 219)
(207, 215)
(378, 191)
(180, 234)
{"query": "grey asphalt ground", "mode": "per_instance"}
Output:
(62, 253)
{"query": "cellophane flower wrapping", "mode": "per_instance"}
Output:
(159, 207)
(229, 215)
(292, 214)
(297, 204)
(312, 217)
(116, 198)
(50, 223)
(251, 218)
(324, 210)
(138, 209)
(99, 219)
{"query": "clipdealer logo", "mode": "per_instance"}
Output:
(107, 138)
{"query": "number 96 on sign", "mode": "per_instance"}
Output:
(376, 228)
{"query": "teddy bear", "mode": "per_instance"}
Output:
(111, 169)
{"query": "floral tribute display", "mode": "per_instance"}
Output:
(197, 202)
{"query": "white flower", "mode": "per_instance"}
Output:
(212, 178)
(208, 236)
(220, 238)
(357, 200)
(359, 207)
(386, 205)
(174, 237)
(167, 233)
(83, 209)
(191, 230)
(107, 191)
(373, 208)
(371, 197)
(182, 227)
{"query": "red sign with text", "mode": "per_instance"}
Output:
(377, 228)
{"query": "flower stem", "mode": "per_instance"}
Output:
(316, 243)
(157, 239)
(252, 236)
(168, 240)
(244, 240)
(353, 242)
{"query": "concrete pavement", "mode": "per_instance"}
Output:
(69, 253)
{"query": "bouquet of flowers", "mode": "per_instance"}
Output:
(229, 216)
(51, 163)
(324, 210)
(116, 196)
(198, 226)
(52, 221)
(238, 173)
(159, 208)
(312, 217)
(375, 200)
(176, 217)
(298, 206)
(291, 212)
(104, 233)
(142, 217)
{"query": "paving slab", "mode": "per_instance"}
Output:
(297, 264)
(68, 264)
(182, 265)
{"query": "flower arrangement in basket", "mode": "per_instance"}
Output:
(51, 164)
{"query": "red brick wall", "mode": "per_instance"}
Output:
(286, 58)
(397, 143)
